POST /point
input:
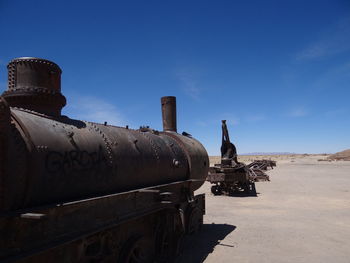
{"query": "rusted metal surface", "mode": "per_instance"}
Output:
(103, 159)
(196, 153)
(231, 176)
(74, 181)
(262, 164)
(35, 84)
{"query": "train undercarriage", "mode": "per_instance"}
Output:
(148, 226)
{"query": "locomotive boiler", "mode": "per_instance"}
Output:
(78, 191)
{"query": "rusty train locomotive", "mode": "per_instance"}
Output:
(77, 191)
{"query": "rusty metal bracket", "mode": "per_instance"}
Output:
(33, 216)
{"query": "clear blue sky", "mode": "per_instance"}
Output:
(278, 71)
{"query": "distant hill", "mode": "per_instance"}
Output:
(343, 155)
(267, 153)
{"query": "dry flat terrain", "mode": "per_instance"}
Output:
(302, 215)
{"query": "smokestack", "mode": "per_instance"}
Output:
(169, 113)
(35, 84)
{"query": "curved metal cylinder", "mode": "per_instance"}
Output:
(35, 84)
(64, 159)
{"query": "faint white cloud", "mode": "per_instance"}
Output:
(334, 40)
(335, 113)
(316, 50)
(202, 123)
(188, 83)
(298, 112)
(332, 76)
(231, 120)
(343, 70)
(255, 118)
(93, 109)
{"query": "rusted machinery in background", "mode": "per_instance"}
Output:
(263, 164)
(231, 176)
(77, 191)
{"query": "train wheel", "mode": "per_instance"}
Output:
(194, 220)
(253, 189)
(232, 191)
(169, 236)
(246, 188)
(138, 249)
(249, 188)
(216, 190)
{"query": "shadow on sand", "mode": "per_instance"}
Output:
(198, 246)
(244, 194)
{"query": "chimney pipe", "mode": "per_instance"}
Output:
(35, 84)
(169, 113)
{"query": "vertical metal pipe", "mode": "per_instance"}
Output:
(169, 113)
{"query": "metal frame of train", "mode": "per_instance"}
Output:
(78, 191)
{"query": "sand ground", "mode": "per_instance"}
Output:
(302, 215)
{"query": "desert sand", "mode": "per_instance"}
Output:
(301, 215)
